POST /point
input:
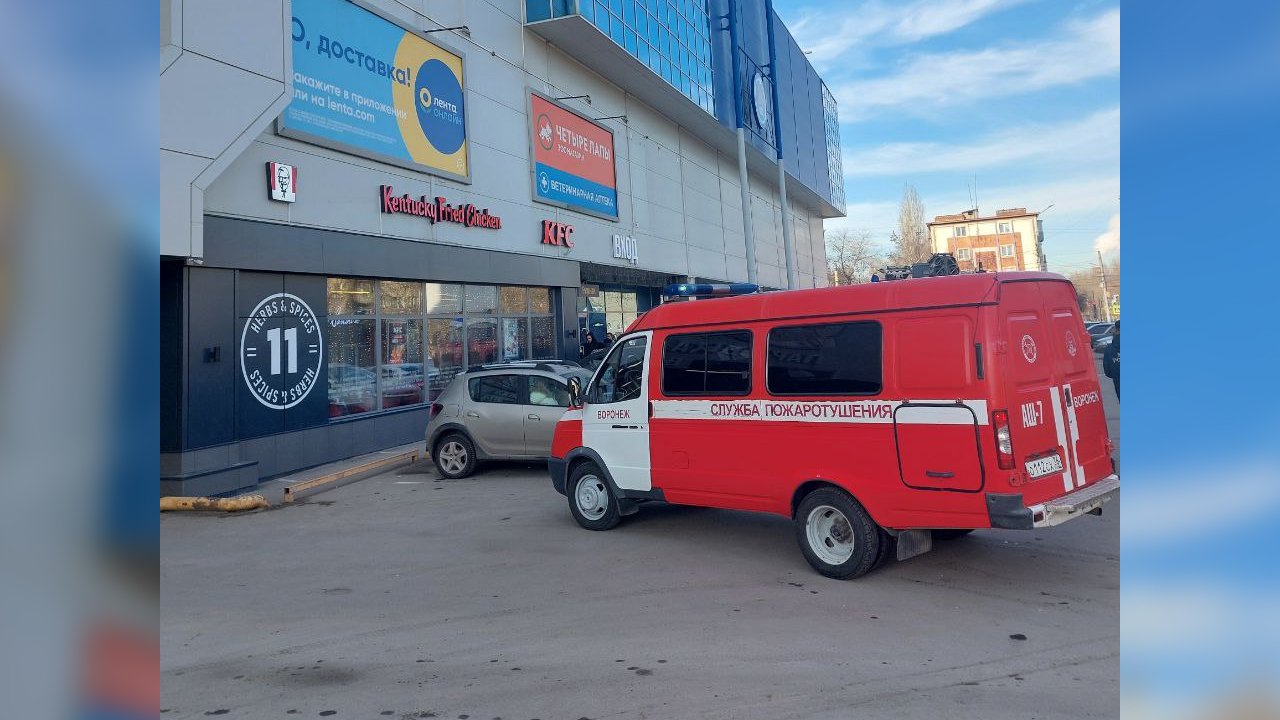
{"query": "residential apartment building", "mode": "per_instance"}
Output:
(1012, 239)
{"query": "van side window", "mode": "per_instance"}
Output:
(707, 364)
(622, 373)
(830, 359)
(504, 389)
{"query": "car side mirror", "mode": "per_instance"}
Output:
(575, 392)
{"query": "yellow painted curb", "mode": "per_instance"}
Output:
(235, 504)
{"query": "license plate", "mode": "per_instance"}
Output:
(1047, 465)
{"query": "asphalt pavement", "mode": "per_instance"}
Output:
(408, 596)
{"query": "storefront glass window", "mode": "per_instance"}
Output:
(482, 340)
(350, 296)
(539, 300)
(444, 354)
(515, 338)
(444, 299)
(401, 298)
(481, 299)
(513, 300)
(402, 370)
(543, 330)
(396, 344)
(352, 379)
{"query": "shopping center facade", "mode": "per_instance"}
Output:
(362, 199)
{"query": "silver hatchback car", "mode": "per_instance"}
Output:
(499, 412)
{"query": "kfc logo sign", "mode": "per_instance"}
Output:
(557, 233)
(282, 181)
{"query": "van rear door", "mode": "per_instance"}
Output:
(1076, 373)
(1055, 410)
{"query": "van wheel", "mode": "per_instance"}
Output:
(951, 533)
(590, 499)
(455, 456)
(836, 535)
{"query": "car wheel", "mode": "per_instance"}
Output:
(837, 537)
(590, 499)
(951, 533)
(455, 456)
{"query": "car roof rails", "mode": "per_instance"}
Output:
(550, 366)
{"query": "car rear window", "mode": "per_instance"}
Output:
(827, 359)
(503, 389)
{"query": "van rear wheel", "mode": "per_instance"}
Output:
(837, 537)
(590, 499)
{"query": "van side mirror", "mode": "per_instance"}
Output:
(575, 392)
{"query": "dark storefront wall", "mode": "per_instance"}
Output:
(221, 435)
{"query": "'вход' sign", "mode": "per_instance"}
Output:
(438, 210)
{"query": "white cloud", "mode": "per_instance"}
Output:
(880, 23)
(1096, 137)
(1109, 241)
(1240, 496)
(933, 81)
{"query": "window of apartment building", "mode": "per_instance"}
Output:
(1006, 251)
(1004, 227)
(964, 254)
(961, 231)
(396, 344)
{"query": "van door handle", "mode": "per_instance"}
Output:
(935, 474)
(626, 427)
(533, 417)
(473, 414)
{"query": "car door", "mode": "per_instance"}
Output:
(615, 416)
(548, 398)
(495, 415)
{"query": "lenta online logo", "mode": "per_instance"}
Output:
(440, 106)
(281, 338)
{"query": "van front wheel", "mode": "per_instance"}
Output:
(590, 499)
(836, 535)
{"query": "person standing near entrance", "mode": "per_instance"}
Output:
(1111, 358)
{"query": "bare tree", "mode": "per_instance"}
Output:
(911, 240)
(851, 256)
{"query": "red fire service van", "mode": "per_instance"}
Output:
(876, 416)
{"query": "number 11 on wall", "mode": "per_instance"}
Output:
(291, 338)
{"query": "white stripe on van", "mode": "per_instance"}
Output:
(1056, 399)
(1074, 426)
(824, 411)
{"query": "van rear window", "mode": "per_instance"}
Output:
(707, 364)
(828, 359)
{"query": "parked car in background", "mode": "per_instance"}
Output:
(1100, 345)
(503, 411)
(1099, 330)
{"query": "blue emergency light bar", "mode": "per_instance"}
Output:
(709, 289)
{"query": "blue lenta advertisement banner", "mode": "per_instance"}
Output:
(365, 85)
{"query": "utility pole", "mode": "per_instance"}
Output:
(1106, 294)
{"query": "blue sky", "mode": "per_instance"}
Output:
(1022, 94)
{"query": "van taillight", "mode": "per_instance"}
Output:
(436, 408)
(1004, 441)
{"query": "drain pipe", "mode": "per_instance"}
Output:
(788, 233)
(748, 234)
